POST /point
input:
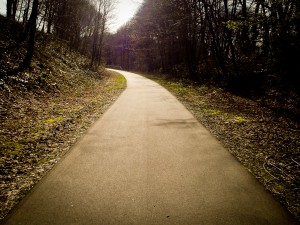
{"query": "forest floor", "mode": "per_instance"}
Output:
(44, 111)
(265, 141)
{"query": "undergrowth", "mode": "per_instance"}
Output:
(44, 110)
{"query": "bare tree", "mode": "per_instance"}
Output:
(11, 9)
(104, 8)
(32, 30)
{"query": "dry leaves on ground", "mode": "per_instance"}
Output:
(266, 142)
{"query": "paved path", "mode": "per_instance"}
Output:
(148, 161)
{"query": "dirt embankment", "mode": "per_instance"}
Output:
(44, 110)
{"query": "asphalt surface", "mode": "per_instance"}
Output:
(148, 161)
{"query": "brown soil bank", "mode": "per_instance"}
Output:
(44, 110)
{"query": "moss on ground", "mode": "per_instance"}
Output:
(44, 110)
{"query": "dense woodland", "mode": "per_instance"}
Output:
(248, 46)
(80, 23)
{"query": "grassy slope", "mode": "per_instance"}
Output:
(44, 111)
(265, 142)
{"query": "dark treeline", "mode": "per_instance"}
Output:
(81, 23)
(240, 44)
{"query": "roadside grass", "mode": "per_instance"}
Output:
(38, 130)
(44, 111)
(118, 83)
(195, 98)
(266, 143)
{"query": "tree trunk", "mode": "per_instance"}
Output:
(245, 28)
(25, 15)
(14, 9)
(8, 8)
(32, 30)
(95, 45)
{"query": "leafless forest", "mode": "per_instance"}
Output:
(223, 58)
(247, 46)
